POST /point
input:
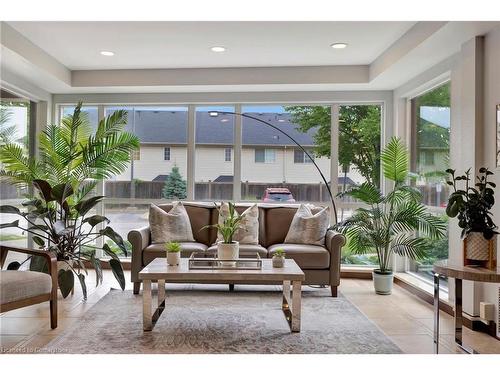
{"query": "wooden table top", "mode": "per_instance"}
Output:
(458, 271)
(159, 269)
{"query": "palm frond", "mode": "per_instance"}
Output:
(17, 168)
(395, 161)
(411, 247)
(366, 192)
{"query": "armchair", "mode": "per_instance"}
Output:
(24, 288)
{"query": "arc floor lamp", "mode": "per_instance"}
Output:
(217, 113)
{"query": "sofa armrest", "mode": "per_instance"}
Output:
(140, 239)
(334, 242)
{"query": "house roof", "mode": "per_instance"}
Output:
(229, 178)
(161, 177)
(170, 127)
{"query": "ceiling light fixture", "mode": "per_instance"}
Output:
(218, 49)
(107, 53)
(339, 45)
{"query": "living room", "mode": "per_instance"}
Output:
(227, 184)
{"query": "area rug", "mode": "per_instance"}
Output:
(219, 321)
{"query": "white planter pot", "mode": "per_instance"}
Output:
(173, 258)
(278, 262)
(228, 251)
(383, 282)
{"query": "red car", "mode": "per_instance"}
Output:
(278, 195)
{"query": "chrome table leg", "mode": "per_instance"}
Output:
(436, 313)
(291, 305)
(147, 322)
(459, 318)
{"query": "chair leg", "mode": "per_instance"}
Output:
(334, 290)
(53, 313)
(137, 287)
(231, 287)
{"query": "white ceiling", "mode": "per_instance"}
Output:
(143, 45)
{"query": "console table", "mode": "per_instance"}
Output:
(459, 273)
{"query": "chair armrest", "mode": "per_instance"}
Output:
(140, 239)
(334, 242)
(49, 256)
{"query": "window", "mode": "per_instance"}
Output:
(147, 179)
(300, 157)
(267, 155)
(227, 154)
(430, 129)
(214, 138)
(269, 172)
(136, 155)
(14, 128)
(359, 162)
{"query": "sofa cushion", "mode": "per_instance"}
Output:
(200, 214)
(306, 256)
(173, 225)
(158, 250)
(307, 227)
(18, 285)
(246, 251)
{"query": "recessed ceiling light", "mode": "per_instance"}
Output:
(224, 120)
(339, 45)
(107, 53)
(218, 49)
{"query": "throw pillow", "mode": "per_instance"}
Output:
(308, 228)
(170, 226)
(249, 225)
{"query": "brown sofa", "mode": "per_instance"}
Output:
(321, 264)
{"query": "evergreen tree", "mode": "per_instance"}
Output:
(175, 186)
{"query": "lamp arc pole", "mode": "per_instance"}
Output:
(334, 208)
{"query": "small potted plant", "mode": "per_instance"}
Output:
(173, 253)
(279, 258)
(472, 207)
(228, 249)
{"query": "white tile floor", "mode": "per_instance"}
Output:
(406, 319)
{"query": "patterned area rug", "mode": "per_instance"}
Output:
(218, 321)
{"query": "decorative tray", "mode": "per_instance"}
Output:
(201, 262)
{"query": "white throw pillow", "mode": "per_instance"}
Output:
(308, 228)
(249, 225)
(170, 226)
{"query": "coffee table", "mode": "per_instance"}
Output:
(158, 271)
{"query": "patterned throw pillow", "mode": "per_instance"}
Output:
(170, 226)
(249, 225)
(308, 228)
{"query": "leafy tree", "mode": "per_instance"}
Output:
(175, 187)
(72, 153)
(359, 135)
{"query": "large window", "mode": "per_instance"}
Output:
(14, 128)
(270, 160)
(430, 129)
(359, 162)
(214, 136)
(157, 172)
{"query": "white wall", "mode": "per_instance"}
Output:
(489, 292)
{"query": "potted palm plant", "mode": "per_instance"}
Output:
(472, 206)
(227, 249)
(173, 253)
(389, 222)
(72, 160)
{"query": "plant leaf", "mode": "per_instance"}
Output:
(9, 210)
(13, 224)
(81, 278)
(116, 267)
(66, 281)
